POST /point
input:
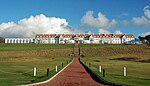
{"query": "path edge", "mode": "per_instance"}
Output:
(50, 78)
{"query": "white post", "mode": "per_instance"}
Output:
(124, 71)
(100, 69)
(34, 71)
(56, 68)
(5, 40)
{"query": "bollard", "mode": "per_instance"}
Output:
(56, 69)
(62, 65)
(89, 64)
(100, 69)
(48, 72)
(124, 71)
(34, 71)
(103, 72)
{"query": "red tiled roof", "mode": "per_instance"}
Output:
(129, 35)
(83, 35)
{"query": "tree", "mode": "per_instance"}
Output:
(2, 40)
(147, 39)
(142, 39)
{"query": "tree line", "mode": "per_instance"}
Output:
(145, 40)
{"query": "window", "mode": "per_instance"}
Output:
(23, 41)
(17, 41)
(10, 41)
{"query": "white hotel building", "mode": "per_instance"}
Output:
(85, 38)
(20, 40)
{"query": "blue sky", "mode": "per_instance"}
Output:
(74, 10)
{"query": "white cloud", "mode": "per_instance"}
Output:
(143, 21)
(124, 23)
(103, 31)
(118, 32)
(147, 11)
(122, 15)
(145, 34)
(38, 24)
(112, 24)
(101, 22)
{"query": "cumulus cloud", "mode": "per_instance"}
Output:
(143, 21)
(118, 32)
(103, 31)
(147, 11)
(145, 34)
(39, 24)
(101, 22)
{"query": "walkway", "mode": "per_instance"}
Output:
(73, 75)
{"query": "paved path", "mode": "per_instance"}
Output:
(73, 75)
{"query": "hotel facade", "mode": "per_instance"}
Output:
(85, 38)
(72, 38)
(20, 40)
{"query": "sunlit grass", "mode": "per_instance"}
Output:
(138, 73)
(18, 60)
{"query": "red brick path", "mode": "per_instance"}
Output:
(73, 75)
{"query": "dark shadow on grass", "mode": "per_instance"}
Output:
(126, 58)
(146, 79)
(145, 60)
(134, 59)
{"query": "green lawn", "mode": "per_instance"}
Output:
(113, 58)
(18, 60)
(25, 47)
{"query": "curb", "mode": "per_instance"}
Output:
(48, 79)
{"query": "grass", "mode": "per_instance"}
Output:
(17, 62)
(113, 58)
(26, 47)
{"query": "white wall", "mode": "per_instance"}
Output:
(19, 40)
(96, 40)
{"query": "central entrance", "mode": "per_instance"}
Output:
(76, 50)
